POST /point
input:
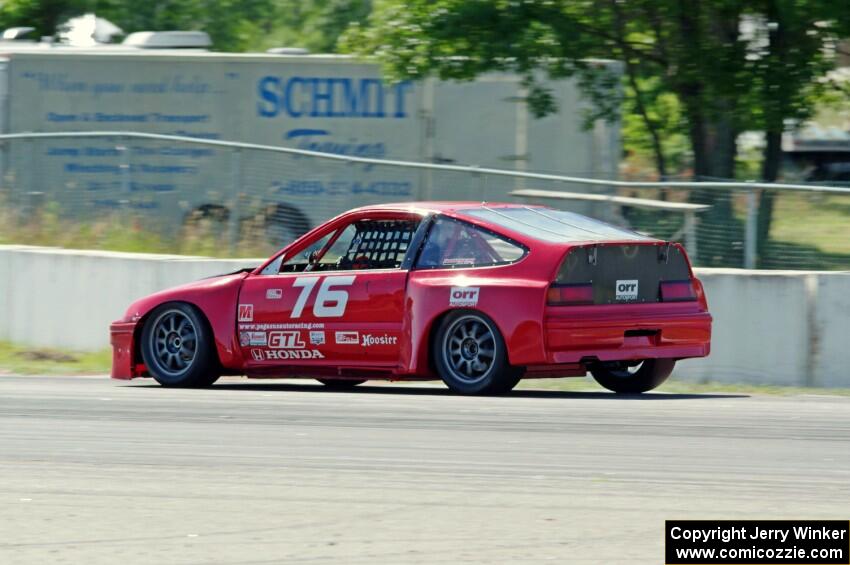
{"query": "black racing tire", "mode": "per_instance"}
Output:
(177, 347)
(620, 378)
(470, 356)
(341, 384)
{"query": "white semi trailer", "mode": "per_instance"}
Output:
(319, 102)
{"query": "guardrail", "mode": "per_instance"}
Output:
(268, 188)
(428, 166)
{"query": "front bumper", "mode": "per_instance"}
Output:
(586, 334)
(121, 339)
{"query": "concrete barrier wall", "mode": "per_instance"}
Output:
(67, 298)
(771, 327)
(761, 327)
(830, 338)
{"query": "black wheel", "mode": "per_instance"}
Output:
(630, 378)
(341, 384)
(177, 347)
(470, 355)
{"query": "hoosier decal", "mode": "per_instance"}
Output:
(369, 340)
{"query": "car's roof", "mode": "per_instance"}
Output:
(540, 223)
(435, 206)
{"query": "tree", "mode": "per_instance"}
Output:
(663, 39)
(44, 15)
(312, 24)
(654, 137)
(232, 24)
(723, 79)
(791, 55)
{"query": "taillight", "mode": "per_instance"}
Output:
(677, 291)
(569, 294)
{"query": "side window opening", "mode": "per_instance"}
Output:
(299, 263)
(337, 250)
(456, 244)
(378, 244)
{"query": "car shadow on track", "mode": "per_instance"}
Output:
(407, 390)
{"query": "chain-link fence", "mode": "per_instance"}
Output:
(147, 192)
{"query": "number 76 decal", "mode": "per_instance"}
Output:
(329, 303)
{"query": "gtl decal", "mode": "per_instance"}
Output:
(286, 340)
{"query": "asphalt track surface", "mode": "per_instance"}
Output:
(96, 471)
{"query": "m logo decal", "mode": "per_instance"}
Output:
(246, 312)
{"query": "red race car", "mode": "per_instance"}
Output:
(477, 294)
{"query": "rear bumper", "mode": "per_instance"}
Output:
(606, 334)
(121, 339)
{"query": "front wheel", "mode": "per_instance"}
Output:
(470, 355)
(625, 378)
(177, 347)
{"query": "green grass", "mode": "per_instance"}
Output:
(22, 360)
(126, 232)
(807, 230)
(815, 220)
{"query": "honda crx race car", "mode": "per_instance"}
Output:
(479, 295)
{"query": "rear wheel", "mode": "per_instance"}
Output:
(177, 347)
(341, 384)
(470, 355)
(626, 378)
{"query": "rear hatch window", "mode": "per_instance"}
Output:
(555, 226)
